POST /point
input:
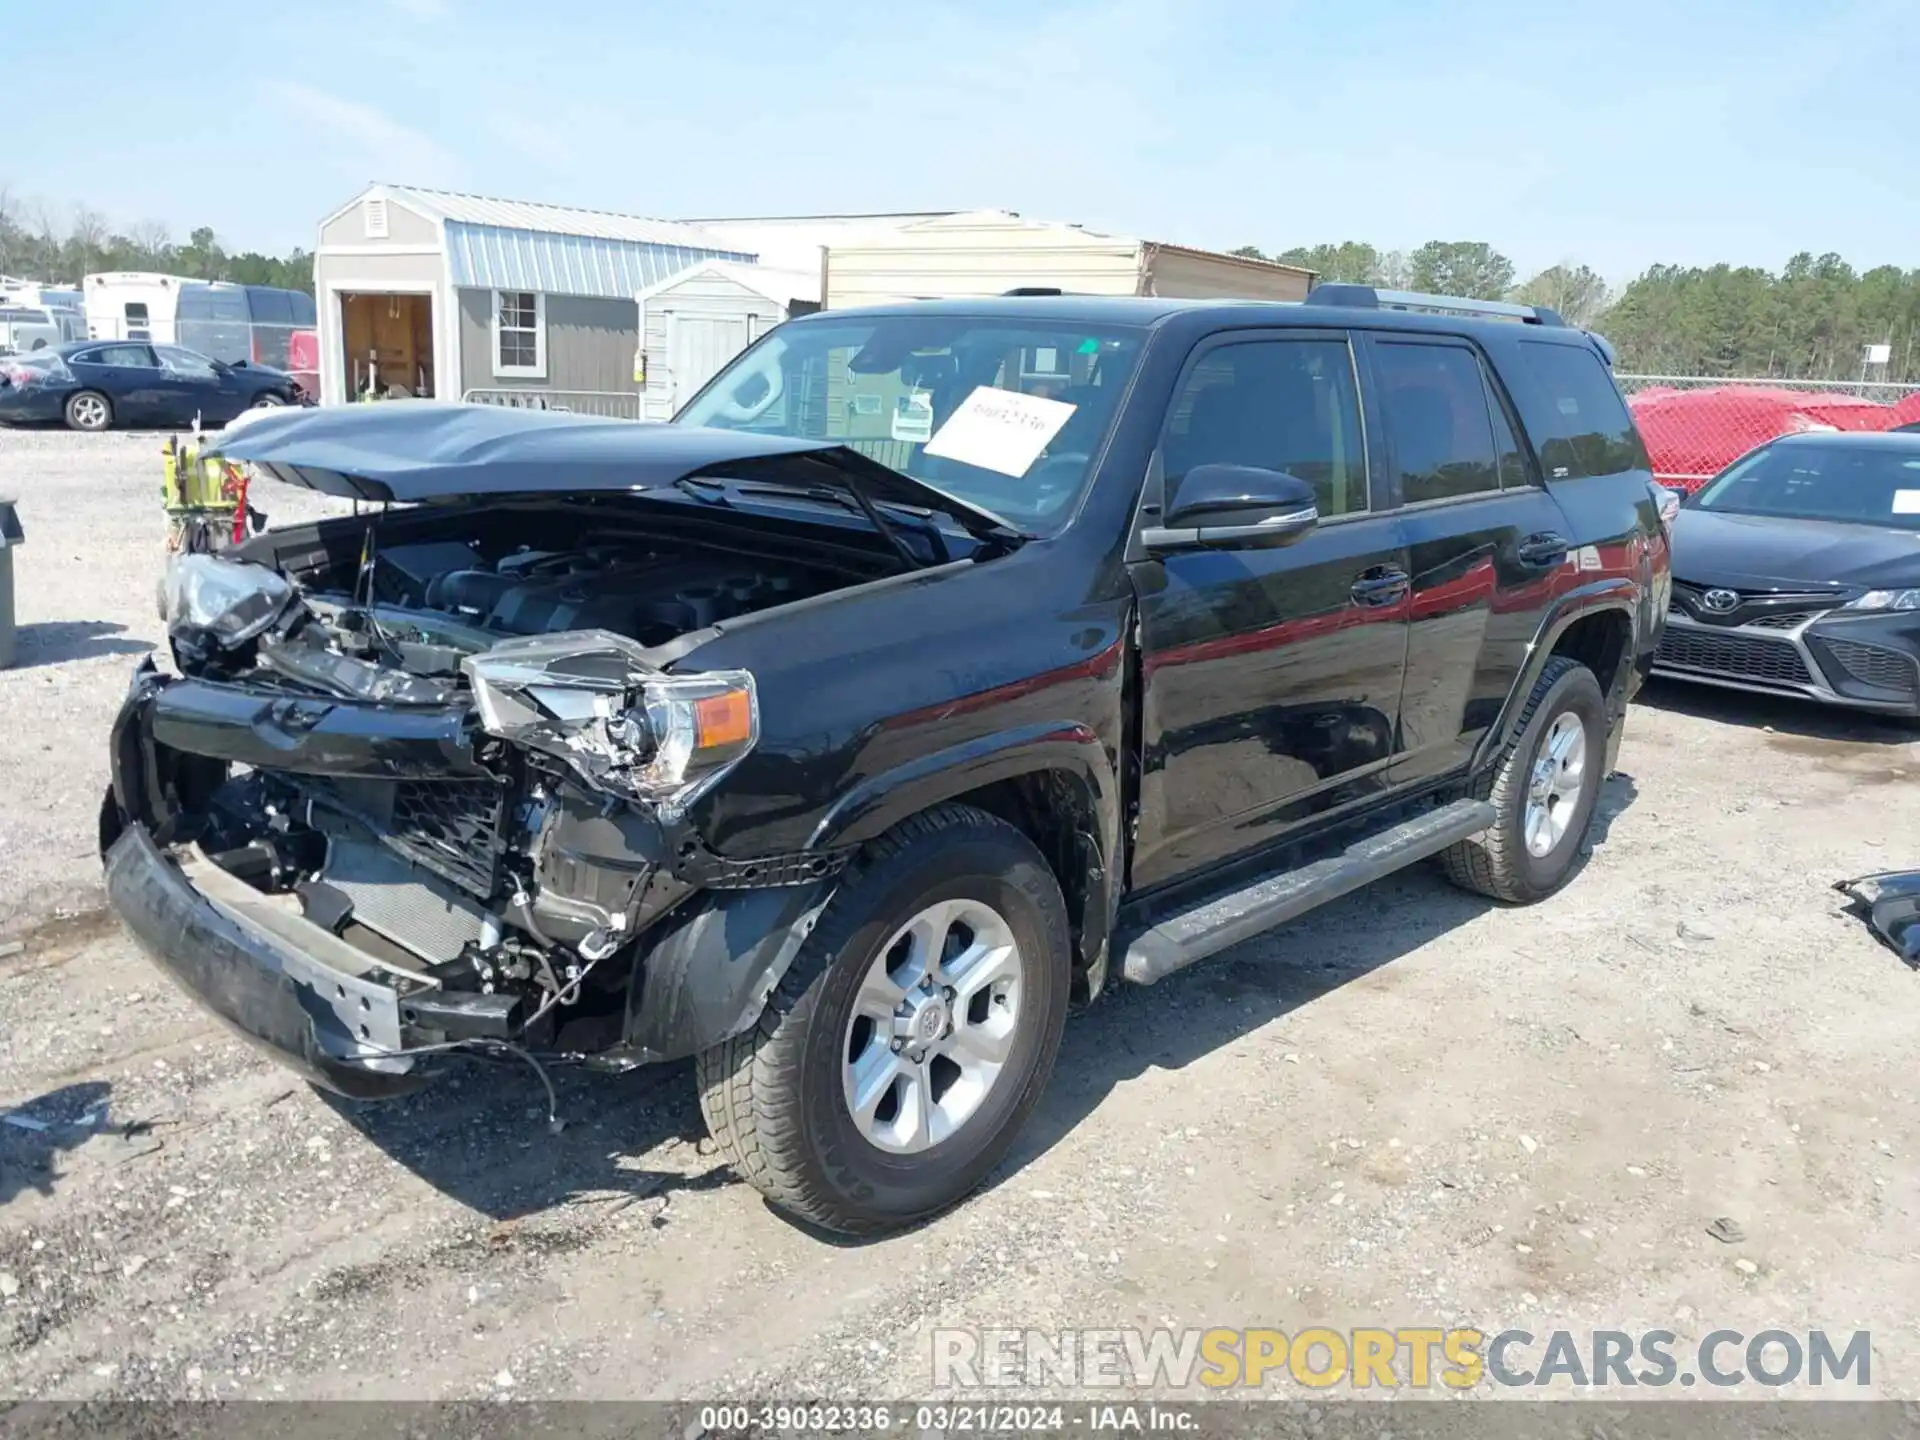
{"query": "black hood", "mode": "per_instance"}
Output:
(1760, 552)
(414, 450)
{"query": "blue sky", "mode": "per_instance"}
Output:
(1621, 134)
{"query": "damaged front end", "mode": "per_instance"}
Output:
(1890, 903)
(367, 837)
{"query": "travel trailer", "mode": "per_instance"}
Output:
(132, 305)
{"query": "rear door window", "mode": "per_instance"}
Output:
(1439, 418)
(1587, 428)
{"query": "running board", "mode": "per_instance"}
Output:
(1225, 920)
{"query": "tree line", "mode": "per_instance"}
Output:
(1811, 320)
(38, 243)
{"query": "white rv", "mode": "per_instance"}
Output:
(132, 305)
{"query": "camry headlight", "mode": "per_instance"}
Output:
(231, 600)
(591, 699)
(1885, 600)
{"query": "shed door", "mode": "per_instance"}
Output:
(698, 348)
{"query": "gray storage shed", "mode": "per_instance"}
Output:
(693, 323)
(427, 292)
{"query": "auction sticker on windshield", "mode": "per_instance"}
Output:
(1906, 502)
(1000, 430)
(913, 417)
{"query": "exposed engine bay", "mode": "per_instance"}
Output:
(486, 883)
(422, 606)
(645, 592)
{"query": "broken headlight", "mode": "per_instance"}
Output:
(591, 699)
(227, 599)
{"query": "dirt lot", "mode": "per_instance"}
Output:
(1409, 1109)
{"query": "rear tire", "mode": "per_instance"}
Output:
(1565, 719)
(781, 1098)
(89, 410)
(268, 401)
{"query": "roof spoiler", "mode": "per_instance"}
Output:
(1366, 297)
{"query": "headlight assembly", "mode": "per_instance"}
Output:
(1885, 600)
(589, 698)
(231, 600)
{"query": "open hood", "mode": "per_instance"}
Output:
(409, 451)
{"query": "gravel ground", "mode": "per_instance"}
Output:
(1409, 1109)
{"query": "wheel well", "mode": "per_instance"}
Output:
(1598, 641)
(1053, 809)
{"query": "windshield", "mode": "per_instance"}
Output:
(1005, 415)
(1861, 484)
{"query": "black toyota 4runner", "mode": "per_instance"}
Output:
(939, 665)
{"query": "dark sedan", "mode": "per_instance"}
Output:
(97, 384)
(1796, 571)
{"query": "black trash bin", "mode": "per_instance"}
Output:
(10, 535)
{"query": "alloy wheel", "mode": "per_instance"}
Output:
(1554, 785)
(933, 1026)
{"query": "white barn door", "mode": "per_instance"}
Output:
(699, 347)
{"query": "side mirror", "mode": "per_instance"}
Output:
(1234, 507)
(1669, 501)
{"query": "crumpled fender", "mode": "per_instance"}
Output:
(708, 976)
(1890, 901)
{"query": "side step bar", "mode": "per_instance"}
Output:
(1225, 920)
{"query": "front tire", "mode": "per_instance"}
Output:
(89, 410)
(911, 1038)
(1543, 791)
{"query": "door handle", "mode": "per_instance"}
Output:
(1543, 551)
(1381, 585)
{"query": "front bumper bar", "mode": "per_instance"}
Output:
(1815, 660)
(308, 999)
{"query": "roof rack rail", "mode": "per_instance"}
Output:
(1034, 290)
(1367, 297)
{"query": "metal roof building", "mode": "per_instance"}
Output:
(428, 292)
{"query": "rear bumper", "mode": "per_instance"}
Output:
(20, 407)
(314, 1018)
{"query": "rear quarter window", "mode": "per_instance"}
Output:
(1580, 425)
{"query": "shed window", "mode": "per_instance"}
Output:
(519, 334)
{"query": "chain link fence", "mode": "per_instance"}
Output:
(1695, 426)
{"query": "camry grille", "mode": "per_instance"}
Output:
(1748, 658)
